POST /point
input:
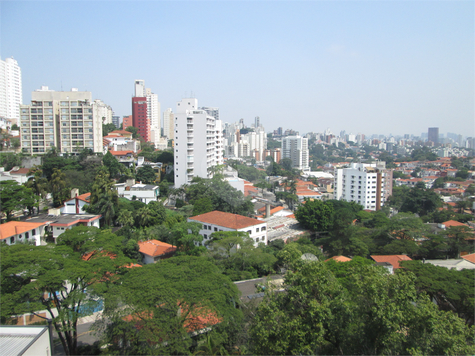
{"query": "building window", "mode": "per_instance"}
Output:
(12, 239)
(263, 228)
(27, 235)
(205, 236)
(215, 229)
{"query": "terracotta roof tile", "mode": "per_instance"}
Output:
(470, 258)
(12, 228)
(339, 259)
(453, 223)
(231, 221)
(392, 259)
(155, 248)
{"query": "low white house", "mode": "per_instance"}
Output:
(57, 224)
(142, 192)
(14, 232)
(220, 221)
(33, 340)
(75, 205)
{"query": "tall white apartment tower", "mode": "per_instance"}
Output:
(11, 96)
(198, 142)
(168, 123)
(296, 148)
(139, 88)
(153, 112)
(64, 120)
(367, 184)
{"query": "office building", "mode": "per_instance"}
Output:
(146, 113)
(10, 90)
(198, 142)
(433, 135)
(64, 120)
(367, 184)
(296, 148)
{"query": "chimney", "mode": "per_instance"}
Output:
(74, 193)
(267, 210)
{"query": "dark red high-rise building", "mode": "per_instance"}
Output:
(139, 117)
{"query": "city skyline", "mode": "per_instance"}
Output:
(363, 67)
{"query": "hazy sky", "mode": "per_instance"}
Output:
(361, 66)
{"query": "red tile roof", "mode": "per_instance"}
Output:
(392, 259)
(470, 258)
(155, 248)
(88, 256)
(453, 223)
(231, 221)
(120, 153)
(21, 171)
(12, 228)
(339, 259)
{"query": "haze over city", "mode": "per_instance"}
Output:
(370, 67)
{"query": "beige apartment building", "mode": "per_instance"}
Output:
(61, 119)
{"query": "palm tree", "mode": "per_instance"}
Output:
(58, 187)
(125, 218)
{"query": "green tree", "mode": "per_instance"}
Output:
(134, 131)
(38, 183)
(36, 278)
(114, 166)
(185, 236)
(13, 196)
(104, 199)
(107, 128)
(58, 187)
(365, 312)
(315, 215)
(125, 218)
(177, 296)
(202, 205)
(8, 160)
(146, 175)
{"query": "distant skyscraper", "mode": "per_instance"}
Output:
(116, 121)
(146, 112)
(168, 122)
(214, 112)
(433, 135)
(296, 148)
(257, 122)
(10, 89)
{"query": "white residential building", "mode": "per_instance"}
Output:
(153, 112)
(168, 123)
(142, 192)
(13, 232)
(64, 120)
(219, 221)
(367, 184)
(296, 148)
(11, 96)
(198, 142)
(103, 111)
